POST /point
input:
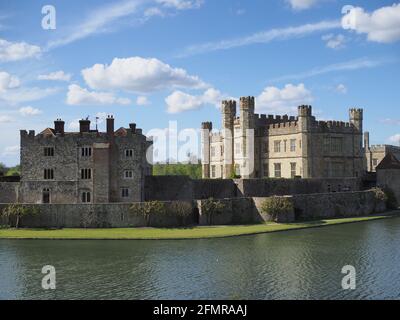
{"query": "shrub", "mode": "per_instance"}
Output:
(212, 207)
(380, 195)
(16, 211)
(150, 207)
(276, 206)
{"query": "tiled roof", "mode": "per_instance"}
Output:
(389, 162)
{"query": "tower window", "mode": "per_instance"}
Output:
(48, 174)
(128, 174)
(86, 197)
(49, 152)
(213, 171)
(125, 192)
(86, 174)
(292, 145)
(212, 151)
(86, 152)
(278, 170)
(277, 146)
(46, 195)
(293, 169)
(129, 153)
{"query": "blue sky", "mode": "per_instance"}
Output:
(154, 61)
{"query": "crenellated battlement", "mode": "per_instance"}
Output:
(247, 103)
(229, 107)
(305, 111)
(207, 126)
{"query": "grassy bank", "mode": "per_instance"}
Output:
(184, 233)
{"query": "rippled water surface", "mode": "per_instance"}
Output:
(304, 264)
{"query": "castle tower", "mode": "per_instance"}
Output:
(206, 128)
(228, 110)
(247, 125)
(304, 123)
(356, 119)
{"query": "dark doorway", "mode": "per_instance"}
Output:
(46, 196)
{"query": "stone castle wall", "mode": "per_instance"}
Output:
(9, 192)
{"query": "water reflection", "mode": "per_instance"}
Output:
(303, 264)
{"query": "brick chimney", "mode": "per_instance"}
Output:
(110, 125)
(132, 126)
(59, 126)
(84, 125)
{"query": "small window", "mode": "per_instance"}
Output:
(278, 170)
(266, 147)
(277, 146)
(266, 170)
(128, 174)
(222, 150)
(293, 169)
(129, 153)
(46, 196)
(213, 171)
(375, 162)
(284, 145)
(125, 192)
(86, 152)
(86, 197)
(48, 174)
(49, 152)
(292, 145)
(86, 174)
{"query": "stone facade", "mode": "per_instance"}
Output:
(83, 167)
(257, 146)
(374, 154)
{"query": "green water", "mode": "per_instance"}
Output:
(304, 264)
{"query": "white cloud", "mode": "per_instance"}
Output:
(382, 25)
(29, 111)
(15, 51)
(395, 139)
(11, 150)
(334, 41)
(301, 4)
(262, 37)
(5, 119)
(285, 100)
(81, 96)
(181, 4)
(351, 65)
(142, 101)
(341, 88)
(139, 75)
(55, 76)
(8, 81)
(180, 101)
(153, 12)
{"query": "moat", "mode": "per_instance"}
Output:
(303, 264)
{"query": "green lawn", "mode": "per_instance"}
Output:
(184, 233)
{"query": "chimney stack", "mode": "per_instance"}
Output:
(110, 125)
(132, 126)
(84, 125)
(59, 126)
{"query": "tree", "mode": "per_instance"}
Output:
(17, 211)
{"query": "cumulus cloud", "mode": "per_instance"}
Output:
(142, 101)
(8, 81)
(29, 111)
(334, 41)
(382, 25)
(139, 75)
(341, 88)
(81, 96)
(285, 100)
(301, 4)
(55, 76)
(180, 101)
(395, 139)
(11, 150)
(14, 51)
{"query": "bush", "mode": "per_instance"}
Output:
(380, 195)
(16, 211)
(276, 206)
(147, 208)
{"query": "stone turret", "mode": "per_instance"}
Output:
(356, 118)
(304, 117)
(304, 125)
(247, 124)
(228, 110)
(206, 128)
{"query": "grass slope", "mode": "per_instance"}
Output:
(183, 233)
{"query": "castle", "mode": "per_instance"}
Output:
(84, 167)
(257, 146)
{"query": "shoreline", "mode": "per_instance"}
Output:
(203, 232)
